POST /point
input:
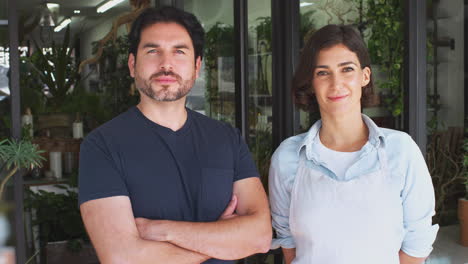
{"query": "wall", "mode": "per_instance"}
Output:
(451, 67)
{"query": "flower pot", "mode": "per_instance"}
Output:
(463, 218)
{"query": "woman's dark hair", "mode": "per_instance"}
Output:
(327, 37)
(167, 14)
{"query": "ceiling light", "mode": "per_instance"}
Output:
(48, 14)
(53, 6)
(305, 4)
(108, 5)
(62, 25)
(76, 11)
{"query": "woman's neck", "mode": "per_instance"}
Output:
(345, 133)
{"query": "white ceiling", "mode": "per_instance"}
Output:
(88, 16)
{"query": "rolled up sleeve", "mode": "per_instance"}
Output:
(418, 206)
(281, 177)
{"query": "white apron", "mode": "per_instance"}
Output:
(354, 222)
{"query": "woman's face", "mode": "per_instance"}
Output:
(338, 80)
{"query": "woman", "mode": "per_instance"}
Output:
(347, 191)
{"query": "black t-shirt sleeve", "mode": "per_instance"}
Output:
(99, 175)
(245, 165)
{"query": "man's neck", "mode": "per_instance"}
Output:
(172, 115)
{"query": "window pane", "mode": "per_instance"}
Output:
(446, 104)
(214, 91)
(260, 84)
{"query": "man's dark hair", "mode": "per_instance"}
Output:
(327, 37)
(167, 14)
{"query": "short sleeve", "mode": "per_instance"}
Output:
(99, 176)
(244, 165)
(418, 205)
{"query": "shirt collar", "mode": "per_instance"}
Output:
(376, 137)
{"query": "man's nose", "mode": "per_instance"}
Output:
(166, 62)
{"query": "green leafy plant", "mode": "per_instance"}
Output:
(262, 149)
(115, 79)
(57, 70)
(58, 217)
(219, 42)
(16, 154)
(386, 44)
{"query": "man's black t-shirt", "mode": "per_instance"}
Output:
(183, 175)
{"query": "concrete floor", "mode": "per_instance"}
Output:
(447, 250)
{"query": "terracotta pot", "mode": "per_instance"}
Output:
(463, 217)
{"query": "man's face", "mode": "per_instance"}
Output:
(164, 68)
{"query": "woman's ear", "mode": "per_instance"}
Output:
(366, 74)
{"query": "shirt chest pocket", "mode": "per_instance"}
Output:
(216, 192)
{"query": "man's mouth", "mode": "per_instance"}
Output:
(165, 80)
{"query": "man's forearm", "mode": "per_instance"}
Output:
(145, 251)
(406, 259)
(233, 238)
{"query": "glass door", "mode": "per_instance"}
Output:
(214, 91)
(259, 101)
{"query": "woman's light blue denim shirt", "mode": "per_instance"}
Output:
(406, 165)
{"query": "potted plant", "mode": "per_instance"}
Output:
(53, 74)
(14, 155)
(463, 202)
(62, 236)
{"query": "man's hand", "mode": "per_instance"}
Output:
(230, 211)
(119, 241)
(244, 228)
(156, 230)
(151, 229)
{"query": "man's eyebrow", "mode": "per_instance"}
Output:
(181, 46)
(151, 45)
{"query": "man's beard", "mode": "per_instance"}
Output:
(164, 94)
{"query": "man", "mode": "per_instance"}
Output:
(161, 183)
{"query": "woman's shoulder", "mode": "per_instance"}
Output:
(395, 136)
(400, 145)
(288, 151)
(291, 145)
